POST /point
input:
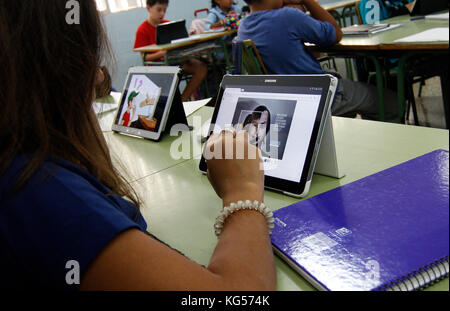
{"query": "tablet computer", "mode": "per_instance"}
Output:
(421, 7)
(167, 32)
(146, 101)
(284, 116)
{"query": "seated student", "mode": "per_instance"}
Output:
(280, 33)
(64, 206)
(146, 35)
(219, 11)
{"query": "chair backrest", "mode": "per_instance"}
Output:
(247, 58)
(196, 12)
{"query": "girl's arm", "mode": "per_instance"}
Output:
(242, 260)
(210, 20)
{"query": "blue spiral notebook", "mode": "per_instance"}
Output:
(388, 231)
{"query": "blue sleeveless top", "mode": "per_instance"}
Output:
(63, 214)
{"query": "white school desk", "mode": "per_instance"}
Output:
(180, 206)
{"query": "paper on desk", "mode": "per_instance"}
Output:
(443, 16)
(430, 35)
(221, 29)
(390, 27)
(193, 106)
(107, 104)
(187, 39)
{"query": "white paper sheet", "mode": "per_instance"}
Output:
(430, 35)
(443, 16)
(105, 106)
(193, 106)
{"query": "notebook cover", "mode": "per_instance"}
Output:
(373, 231)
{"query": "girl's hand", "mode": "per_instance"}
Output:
(234, 167)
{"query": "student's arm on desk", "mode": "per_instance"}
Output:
(318, 13)
(243, 258)
(152, 57)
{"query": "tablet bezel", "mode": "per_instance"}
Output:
(300, 188)
(175, 72)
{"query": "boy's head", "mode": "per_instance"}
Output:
(157, 10)
(265, 4)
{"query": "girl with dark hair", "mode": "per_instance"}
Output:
(62, 200)
(220, 9)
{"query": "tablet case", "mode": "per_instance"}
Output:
(167, 32)
(422, 7)
(388, 231)
(176, 114)
(327, 160)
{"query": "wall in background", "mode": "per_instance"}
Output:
(121, 28)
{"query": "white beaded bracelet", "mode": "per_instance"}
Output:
(240, 205)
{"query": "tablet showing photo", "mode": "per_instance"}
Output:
(284, 116)
(146, 101)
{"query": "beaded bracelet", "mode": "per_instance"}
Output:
(240, 205)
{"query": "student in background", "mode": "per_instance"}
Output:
(280, 32)
(61, 199)
(219, 11)
(146, 35)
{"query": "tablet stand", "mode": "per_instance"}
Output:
(327, 163)
(176, 113)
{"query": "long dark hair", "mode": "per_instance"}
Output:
(48, 70)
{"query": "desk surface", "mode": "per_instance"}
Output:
(137, 158)
(172, 46)
(385, 41)
(339, 4)
(181, 206)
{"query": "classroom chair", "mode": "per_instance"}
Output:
(198, 24)
(414, 72)
(247, 59)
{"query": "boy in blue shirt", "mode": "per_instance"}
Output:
(279, 32)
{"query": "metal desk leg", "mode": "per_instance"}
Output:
(349, 68)
(143, 58)
(444, 87)
(401, 84)
(380, 87)
(349, 12)
(337, 17)
(229, 68)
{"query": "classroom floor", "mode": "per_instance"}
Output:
(430, 108)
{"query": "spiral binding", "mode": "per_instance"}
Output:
(421, 278)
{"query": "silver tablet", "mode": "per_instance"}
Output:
(285, 117)
(146, 101)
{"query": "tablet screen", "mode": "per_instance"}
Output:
(279, 120)
(144, 101)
